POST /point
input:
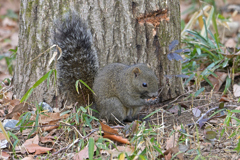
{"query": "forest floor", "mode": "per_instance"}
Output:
(201, 126)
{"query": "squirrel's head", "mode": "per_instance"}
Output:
(144, 81)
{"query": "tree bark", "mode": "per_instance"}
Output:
(123, 31)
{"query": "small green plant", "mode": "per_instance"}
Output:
(25, 121)
(81, 117)
(9, 59)
(229, 127)
(208, 54)
(146, 137)
(16, 141)
(43, 78)
(10, 14)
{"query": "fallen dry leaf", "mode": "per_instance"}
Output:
(173, 151)
(18, 109)
(230, 43)
(116, 138)
(83, 154)
(172, 140)
(238, 108)
(4, 155)
(119, 149)
(107, 129)
(32, 146)
(47, 139)
(2, 137)
(217, 82)
(168, 156)
(37, 149)
(236, 90)
(50, 117)
(4, 76)
(33, 140)
(224, 98)
(7, 22)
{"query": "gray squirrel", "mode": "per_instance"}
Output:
(120, 90)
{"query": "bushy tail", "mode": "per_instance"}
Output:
(79, 58)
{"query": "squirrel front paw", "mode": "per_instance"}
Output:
(152, 101)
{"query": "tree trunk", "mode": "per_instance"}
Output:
(123, 31)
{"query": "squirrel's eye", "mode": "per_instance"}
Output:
(144, 84)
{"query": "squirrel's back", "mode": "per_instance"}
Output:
(78, 60)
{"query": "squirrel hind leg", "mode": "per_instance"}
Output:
(109, 107)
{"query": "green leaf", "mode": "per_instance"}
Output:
(83, 109)
(26, 95)
(152, 113)
(91, 148)
(225, 63)
(233, 134)
(158, 149)
(214, 22)
(102, 146)
(207, 80)
(228, 83)
(84, 85)
(238, 146)
(235, 111)
(208, 22)
(43, 78)
(199, 91)
(189, 79)
(29, 92)
(200, 37)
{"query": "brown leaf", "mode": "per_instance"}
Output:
(238, 108)
(7, 22)
(217, 82)
(37, 149)
(34, 140)
(107, 129)
(168, 156)
(116, 138)
(4, 155)
(20, 108)
(236, 90)
(2, 137)
(47, 139)
(224, 98)
(11, 102)
(230, 43)
(135, 126)
(32, 146)
(173, 151)
(4, 76)
(50, 117)
(119, 149)
(172, 140)
(83, 154)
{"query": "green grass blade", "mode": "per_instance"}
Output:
(199, 91)
(228, 83)
(43, 78)
(76, 84)
(91, 148)
(26, 95)
(207, 80)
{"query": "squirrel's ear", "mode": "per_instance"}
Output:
(136, 71)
